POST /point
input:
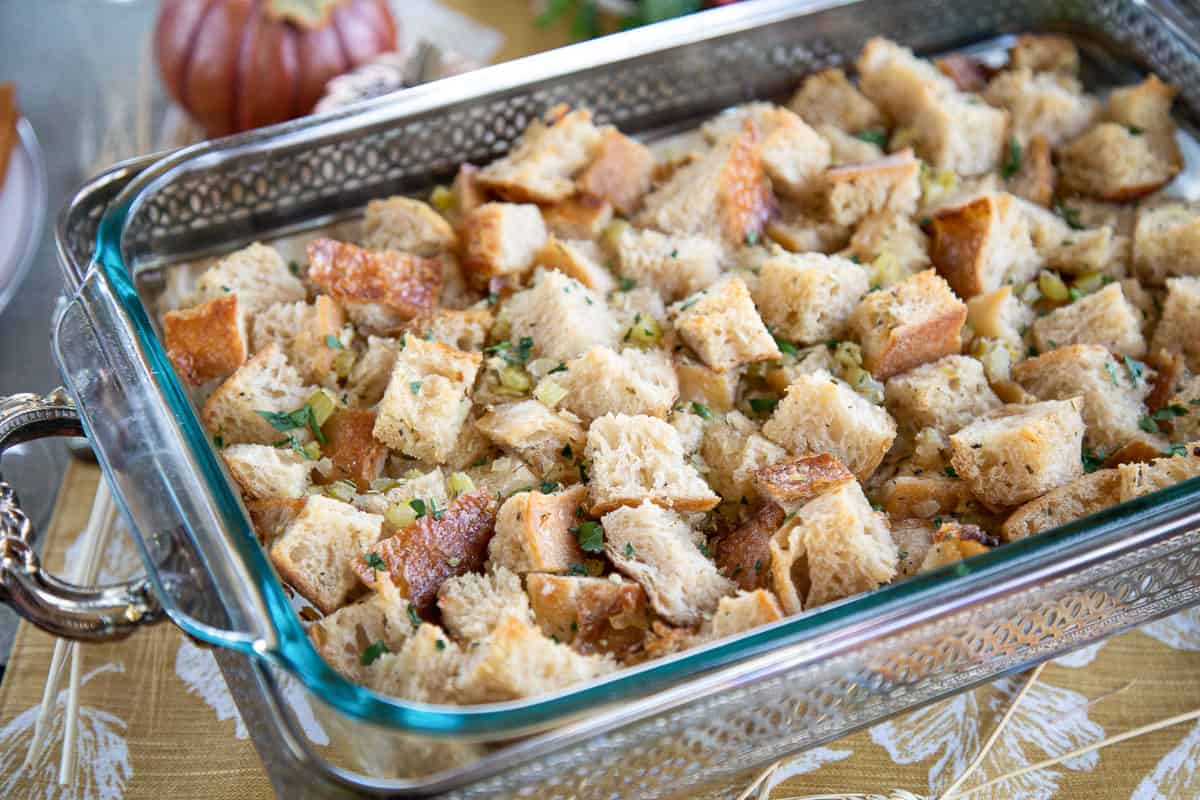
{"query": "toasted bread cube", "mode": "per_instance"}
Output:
(256, 274)
(267, 382)
(983, 244)
(723, 195)
(207, 341)
(820, 414)
(857, 190)
(1000, 314)
(581, 216)
(535, 531)
(1138, 480)
(535, 434)
(563, 317)
(465, 329)
(845, 148)
(674, 266)
(701, 384)
(1111, 162)
(1042, 104)
(797, 230)
(424, 670)
(303, 331)
(372, 370)
(640, 458)
(473, 604)
(407, 225)
(593, 615)
(968, 73)
(501, 239)
(315, 553)
(542, 164)
(1146, 105)
(579, 259)
(271, 517)
(922, 496)
(438, 546)
(517, 660)
(793, 154)
(1044, 53)
(744, 554)
(945, 394)
(265, 472)
(379, 289)
(957, 132)
(836, 546)
(1085, 495)
(1113, 399)
(1036, 177)
(1166, 243)
(896, 80)
(909, 324)
(1106, 318)
(1087, 251)
(808, 298)
(1178, 331)
(743, 612)
(350, 444)
(891, 239)
(502, 476)
(1017, 452)
(342, 637)
(654, 546)
(793, 482)
(620, 172)
(630, 382)
(829, 98)
(722, 326)
(735, 452)
(427, 399)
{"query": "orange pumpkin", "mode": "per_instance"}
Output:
(239, 64)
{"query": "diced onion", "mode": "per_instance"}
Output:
(550, 392)
(322, 407)
(1052, 287)
(341, 490)
(460, 483)
(515, 379)
(400, 515)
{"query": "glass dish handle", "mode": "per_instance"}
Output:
(63, 609)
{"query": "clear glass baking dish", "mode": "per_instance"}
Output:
(674, 727)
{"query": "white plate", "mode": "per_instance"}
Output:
(22, 210)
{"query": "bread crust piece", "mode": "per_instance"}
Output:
(733, 450)
(807, 298)
(581, 216)
(534, 531)
(744, 554)
(620, 172)
(316, 552)
(908, 324)
(420, 557)
(207, 341)
(579, 259)
(500, 239)
(857, 190)
(592, 615)
(342, 637)
(794, 482)
(700, 384)
(654, 546)
(829, 98)
(630, 382)
(303, 331)
(472, 604)
(793, 154)
(983, 244)
(1166, 243)
(385, 286)
(1035, 179)
(945, 394)
(536, 434)
(1111, 162)
(1104, 318)
(1018, 452)
(1044, 53)
(266, 473)
(356, 455)
(257, 274)
(271, 517)
(1085, 495)
(267, 382)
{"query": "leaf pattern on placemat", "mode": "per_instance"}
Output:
(1176, 775)
(808, 761)
(104, 767)
(1181, 631)
(948, 730)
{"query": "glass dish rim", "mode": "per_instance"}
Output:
(292, 649)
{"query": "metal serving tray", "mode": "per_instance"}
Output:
(676, 727)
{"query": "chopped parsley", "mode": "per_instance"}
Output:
(492, 299)
(705, 551)
(785, 346)
(689, 304)
(302, 417)
(1178, 449)
(1135, 130)
(333, 341)
(418, 506)
(629, 549)
(375, 562)
(413, 617)
(373, 652)
(591, 537)
(515, 356)
(1012, 159)
(1092, 459)
(627, 284)
(950, 471)
(751, 238)
(1148, 425)
(937, 522)
(440, 644)
(219, 442)
(875, 136)
(1111, 369)
(560, 368)
(577, 569)
(293, 268)
(1171, 411)
(1133, 367)
(415, 387)
(763, 405)
(567, 452)
(702, 411)
(548, 487)
(1069, 215)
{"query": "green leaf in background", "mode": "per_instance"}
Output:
(554, 11)
(658, 10)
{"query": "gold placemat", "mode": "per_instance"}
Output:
(158, 720)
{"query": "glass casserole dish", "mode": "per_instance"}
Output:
(670, 727)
